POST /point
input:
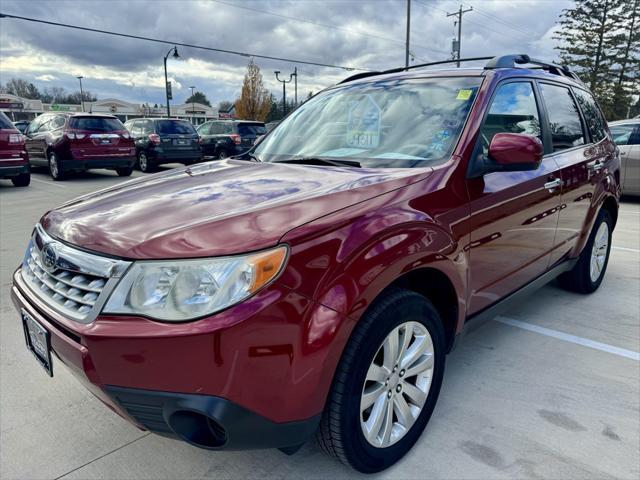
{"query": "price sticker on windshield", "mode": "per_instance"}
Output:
(464, 94)
(363, 125)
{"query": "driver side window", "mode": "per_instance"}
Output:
(513, 110)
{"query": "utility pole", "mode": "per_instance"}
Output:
(406, 52)
(459, 14)
(284, 91)
(81, 92)
(295, 74)
(193, 107)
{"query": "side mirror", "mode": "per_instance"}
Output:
(514, 152)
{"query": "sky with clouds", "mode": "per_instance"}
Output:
(356, 33)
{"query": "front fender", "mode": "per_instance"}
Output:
(344, 260)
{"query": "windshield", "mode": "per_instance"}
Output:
(96, 124)
(173, 127)
(393, 123)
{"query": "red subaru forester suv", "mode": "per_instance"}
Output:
(317, 288)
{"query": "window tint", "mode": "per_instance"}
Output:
(622, 133)
(513, 110)
(251, 129)
(33, 126)
(592, 115)
(204, 129)
(96, 124)
(172, 127)
(5, 123)
(44, 125)
(564, 119)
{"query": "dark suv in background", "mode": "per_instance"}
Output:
(14, 163)
(66, 142)
(226, 138)
(164, 140)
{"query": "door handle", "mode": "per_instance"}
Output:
(553, 184)
(623, 153)
(596, 165)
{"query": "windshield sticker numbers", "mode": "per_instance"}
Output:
(363, 125)
(464, 94)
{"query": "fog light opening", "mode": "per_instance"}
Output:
(198, 429)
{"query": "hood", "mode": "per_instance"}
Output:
(215, 208)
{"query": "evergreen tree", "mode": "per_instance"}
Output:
(198, 97)
(599, 40)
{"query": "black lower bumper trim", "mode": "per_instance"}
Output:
(209, 422)
(13, 170)
(121, 162)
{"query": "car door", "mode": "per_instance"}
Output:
(579, 146)
(513, 214)
(37, 139)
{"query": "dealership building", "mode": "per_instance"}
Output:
(18, 108)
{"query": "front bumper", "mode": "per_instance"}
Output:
(259, 371)
(13, 170)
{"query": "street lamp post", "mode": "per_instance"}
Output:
(81, 92)
(166, 80)
(284, 91)
(193, 107)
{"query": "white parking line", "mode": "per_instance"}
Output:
(626, 249)
(585, 342)
(47, 183)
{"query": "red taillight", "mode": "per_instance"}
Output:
(71, 135)
(155, 138)
(16, 139)
(236, 138)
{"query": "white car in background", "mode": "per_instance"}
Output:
(626, 134)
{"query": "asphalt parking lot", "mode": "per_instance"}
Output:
(550, 390)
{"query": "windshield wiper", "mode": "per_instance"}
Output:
(321, 161)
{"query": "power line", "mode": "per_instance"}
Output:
(324, 25)
(510, 24)
(188, 45)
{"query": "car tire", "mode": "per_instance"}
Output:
(588, 273)
(341, 433)
(222, 154)
(22, 180)
(145, 164)
(124, 171)
(55, 168)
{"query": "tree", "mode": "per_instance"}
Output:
(198, 97)
(22, 88)
(254, 102)
(627, 60)
(593, 39)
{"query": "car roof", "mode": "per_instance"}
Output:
(231, 120)
(81, 114)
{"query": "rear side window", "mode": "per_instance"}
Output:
(173, 127)
(256, 129)
(96, 124)
(5, 123)
(513, 110)
(623, 134)
(592, 115)
(57, 122)
(204, 129)
(564, 118)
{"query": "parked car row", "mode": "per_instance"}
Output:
(66, 142)
(14, 162)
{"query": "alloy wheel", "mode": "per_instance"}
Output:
(142, 162)
(53, 165)
(397, 384)
(599, 251)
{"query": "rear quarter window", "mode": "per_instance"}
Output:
(96, 124)
(592, 115)
(5, 123)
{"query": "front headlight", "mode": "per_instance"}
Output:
(178, 290)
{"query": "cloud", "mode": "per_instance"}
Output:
(367, 34)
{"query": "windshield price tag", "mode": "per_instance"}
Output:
(363, 126)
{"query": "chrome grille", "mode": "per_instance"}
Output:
(75, 283)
